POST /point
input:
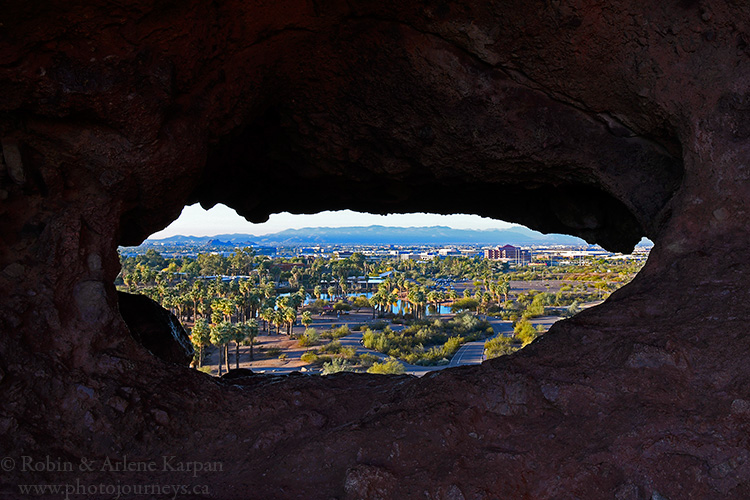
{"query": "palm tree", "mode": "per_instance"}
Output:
(241, 333)
(183, 306)
(412, 300)
(377, 300)
(237, 335)
(283, 301)
(391, 299)
(278, 320)
(226, 307)
(307, 319)
(417, 299)
(435, 297)
(267, 315)
(251, 331)
(196, 295)
(503, 288)
(221, 334)
(201, 338)
(290, 317)
(256, 300)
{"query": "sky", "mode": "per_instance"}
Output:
(195, 221)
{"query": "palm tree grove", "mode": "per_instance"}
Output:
(328, 313)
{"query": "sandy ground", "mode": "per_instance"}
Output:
(290, 351)
(290, 348)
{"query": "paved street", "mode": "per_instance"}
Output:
(471, 353)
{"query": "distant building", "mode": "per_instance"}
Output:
(449, 252)
(288, 266)
(409, 256)
(508, 253)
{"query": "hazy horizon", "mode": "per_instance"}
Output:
(195, 221)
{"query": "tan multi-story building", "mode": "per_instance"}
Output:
(508, 253)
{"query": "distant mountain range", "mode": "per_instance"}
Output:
(379, 235)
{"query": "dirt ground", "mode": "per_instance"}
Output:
(290, 348)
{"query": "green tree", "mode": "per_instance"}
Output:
(290, 318)
(465, 304)
(221, 334)
(360, 302)
(435, 297)
(307, 319)
(249, 330)
(211, 264)
(200, 336)
(268, 315)
(241, 261)
(278, 320)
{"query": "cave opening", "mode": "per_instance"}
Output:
(381, 299)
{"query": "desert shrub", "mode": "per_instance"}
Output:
(428, 342)
(377, 325)
(348, 352)
(573, 309)
(336, 333)
(323, 359)
(389, 367)
(273, 351)
(309, 357)
(337, 365)
(317, 306)
(452, 345)
(314, 358)
(525, 332)
(309, 338)
(499, 346)
(283, 356)
(367, 359)
(342, 306)
(332, 347)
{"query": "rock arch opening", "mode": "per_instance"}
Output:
(443, 298)
(624, 121)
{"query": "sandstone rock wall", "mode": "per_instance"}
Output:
(608, 120)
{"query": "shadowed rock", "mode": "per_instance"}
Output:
(607, 120)
(155, 328)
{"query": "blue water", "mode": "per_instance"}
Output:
(399, 307)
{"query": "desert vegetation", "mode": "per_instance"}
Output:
(240, 305)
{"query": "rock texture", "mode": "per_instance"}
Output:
(607, 120)
(155, 328)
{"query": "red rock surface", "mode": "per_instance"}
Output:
(607, 120)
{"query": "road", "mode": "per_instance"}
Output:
(471, 353)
